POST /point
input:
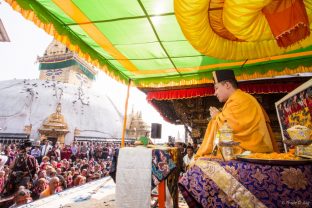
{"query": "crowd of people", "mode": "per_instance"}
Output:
(33, 171)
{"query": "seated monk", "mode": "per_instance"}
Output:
(243, 114)
(54, 187)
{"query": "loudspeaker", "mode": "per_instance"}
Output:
(156, 130)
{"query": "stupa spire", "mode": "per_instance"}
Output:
(60, 64)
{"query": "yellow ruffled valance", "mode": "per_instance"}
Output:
(232, 29)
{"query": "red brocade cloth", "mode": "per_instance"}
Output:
(209, 91)
(288, 21)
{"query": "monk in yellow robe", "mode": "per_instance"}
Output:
(243, 114)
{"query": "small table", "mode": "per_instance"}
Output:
(161, 167)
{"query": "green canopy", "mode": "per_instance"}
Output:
(141, 41)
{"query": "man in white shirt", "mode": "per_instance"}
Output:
(3, 160)
(45, 148)
(189, 157)
(36, 152)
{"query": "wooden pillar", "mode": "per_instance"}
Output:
(125, 116)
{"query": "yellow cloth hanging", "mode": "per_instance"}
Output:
(233, 29)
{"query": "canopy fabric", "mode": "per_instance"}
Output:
(248, 28)
(141, 41)
(252, 88)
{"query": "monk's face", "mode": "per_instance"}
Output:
(222, 91)
(54, 183)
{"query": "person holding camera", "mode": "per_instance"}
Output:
(23, 169)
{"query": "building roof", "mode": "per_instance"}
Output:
(13, 136)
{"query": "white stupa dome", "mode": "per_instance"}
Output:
(31, 102)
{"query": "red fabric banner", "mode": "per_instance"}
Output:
(209, 91)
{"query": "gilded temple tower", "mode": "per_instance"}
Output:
(136, 126)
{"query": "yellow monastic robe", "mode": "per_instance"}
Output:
(246, 117)
(46, 192)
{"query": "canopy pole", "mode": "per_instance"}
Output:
(125, 116)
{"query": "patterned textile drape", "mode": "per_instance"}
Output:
(162, 165)
(274, 186)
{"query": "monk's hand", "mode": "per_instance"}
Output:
(213, 111)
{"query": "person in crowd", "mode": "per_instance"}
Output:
(10, 153)
(79, 180)
(57, 151)
(66, 152)
(24, 168)
(2, 180)
(98, 151)
(52, 188)
(84, 164)
(36, 152)
(39, 187)
(91, 152)
(45, 148)
(14, 146)
(7, 171)
(69, 180)
(1, 149)
(188, 158)
(53, 153)
(66, 164)
(97, 170)
(21, 197)
(96, 176)
(49, 170)
(74, 148)
(53, 163)
(105, 152)
(195, 146)
(59, 171)
(72, 170)
(43, 174)
(110, 150)
(244, 115)
(62, 181)
(84, 172)
(84, 151)
(113, 170)
(180, 145)
(45, 162)
(3, 161)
